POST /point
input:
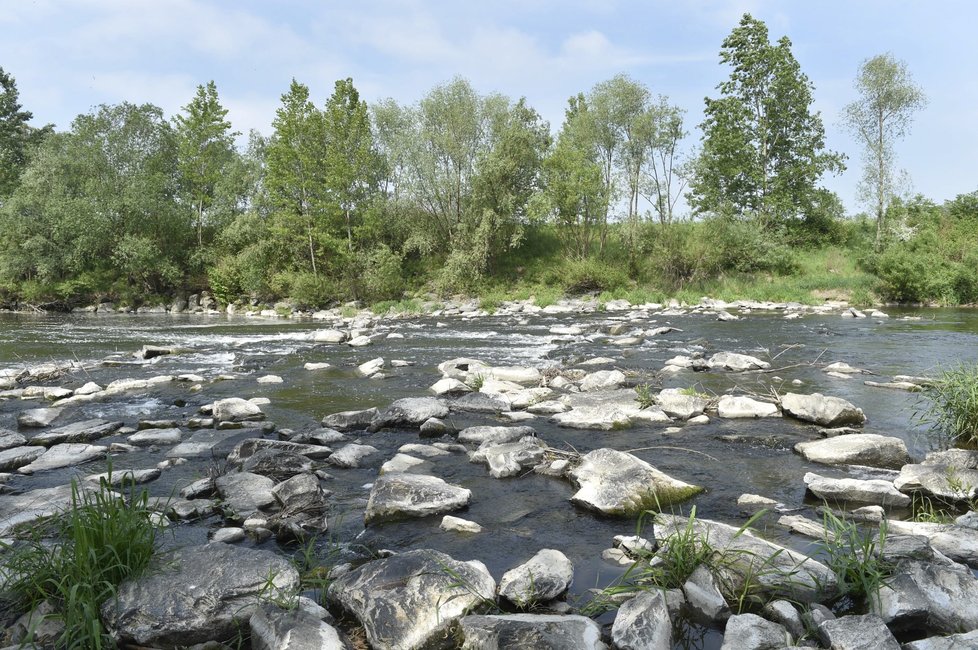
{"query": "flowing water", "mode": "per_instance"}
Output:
(519, 515)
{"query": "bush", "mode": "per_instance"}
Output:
(304, 288)
(951, 407)
(381, 277)
(588, 275)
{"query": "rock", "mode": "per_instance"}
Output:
(277, 464)
(197, 594)
(299, 492)
(602, 379)
(85, 431)
(481, 403)
(64, 455)
(459, 525)
(433, 427)
(449, 386)
(926, 596)
(755, 502)
(511, 458)
(738, 406)
(941, 481)
(785, 614)
(482, 435)
(957, 542)
(427, 451)
(329, 336)
(235, 409)
(617, 483)
(542, 578)
(351, 455)
(371, 367)
(11, 439)
(643, 623)
(20, 509)
(16, 457)
(360, 341)
(273, 628)
(150, 437)
(407, 412)
(517, 374)
(773, 569)
(956, 458)
(537, 631)
(270, 379)
(965, 641)
(206, 443)
(405, 463)
(804, 526)
(350, 420)
(251, 446)
(857, 633)
(321, 365)
(751, 632)
(856, 449)
(37, 418)
(737, 362)
(401, 496)
(89, 388)
(680, 405)
(823, 410)
(874, 492)
(548, 407)
(842, 368)
(123, 477)
(409, 600)
(703, 597)
(244, 493)
(606, 417)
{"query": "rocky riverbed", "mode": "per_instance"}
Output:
(474, 480)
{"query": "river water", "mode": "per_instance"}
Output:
(519, 515)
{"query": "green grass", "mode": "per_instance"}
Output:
(103, 539)
(950, 406)
(855, 557)
(406, 306)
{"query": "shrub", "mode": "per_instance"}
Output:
(304, 288)
(381, 277)
(588, 275)
(951, 407)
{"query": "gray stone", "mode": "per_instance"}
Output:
(737, 362)
(205, 444)
(11, 459)
(433, 427)
(703, 596)
(155, 437)
(481, 403)
(537, 631)
(957, 542)
(483, 435)
(459, 525)
(874, 492)
(857, 633)
(617, 483)
(965, 641)
(426, 451)
(409, 600)
(856, 449)
(606, 417)
(244, 493)
(235, 409)
(120, 477)
(64, 455)
(739, 406)
(402, 496)
(823, 410)
(602, 379)
(678, 404)
(544, 577)
(941, 481)
(197, 594)
(449, 386)
(511, 458)
(247, 448)
(11, 439)
(350, 420)
(85, 431)
(643, 623)
(37, 418)
(25, 508)
(407, 412)
(351, 455)
(751, 632)
(926, 596)
(273, 628)
(329, 336)
(785, 614)
(406, 463)
(277, 464)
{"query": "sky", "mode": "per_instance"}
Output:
(69, 56)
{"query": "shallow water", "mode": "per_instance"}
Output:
(519, 515)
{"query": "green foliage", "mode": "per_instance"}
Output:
(855, 557)
(645, 395)
(381, 277)
(17, 137)
(304, 288)
(950, 406)
(103, 539)
(588, 275)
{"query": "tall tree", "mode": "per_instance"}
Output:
(888, 99)
(205, 149)
(16, 135)
(763, 147)
(665, 174)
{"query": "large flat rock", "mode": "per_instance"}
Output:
(537, 631)
(821, 409)
(85, 431)
(856, 449)
(64, 455)
(403, 496)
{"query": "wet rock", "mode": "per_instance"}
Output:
(517, 374)
(926, 596)
(751, 632)
(50, 393)
(548, 407)
(481, 403)
(406, 463)
(511, 458)
(875, 492)
(277, 464)
(351, 455)
(329, 336)
(85, 431)
(542, 578)
(941, 481)
(774, 570)
(197, 594)
(603, 418)
(643, 623)
(528, 396)
(785, 614)
(10, 439)
(371, 367)
(25, 508)
(149, 437)
(804, 526)
(235, 409)
(433, 427)
(703, 597)
(299, 492)
(735, 362)
(350, 420)
(956, 458)
(678, 404)
(856, 449)
(538, 631)
(203, 487)
(449, 386)
(965, 641)
(402, 496)
(317, 365)
(122, 477)
(206, 444)
(37, 418)
(823, 410)
(407, 412)
(738, 406)
(459, 525)
(64, 455)
(360, 341)
(481, 435)
(270, 379)
(602, 379)
(247, 448)
(411, 599)
(617, 483)
(229, 535)
(426, 451)
(16, 457)
(302, 628)
(857, 633)
(318, 438)
(245, 494)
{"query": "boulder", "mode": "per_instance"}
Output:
(643, 623)
(956, 542)
(856, 449)
(350, 420)
(516, 374)
(459, 525)
(64, 455)
(329, 336)
(482, 435)
(542, 578)
(606, 417)
(511, 458)
(245, 494)
(235, 409)
(679, 404)
(408, 412)
(964, 641)
(277, 464)
(823, 410)
(197, 594)
(874, 492)
(602, 379)
(738, 406)
(735, 362)
(405, 463)
(703, 597)
(857, 633)
(27, 507)
(11, 459)
(537, 631)
(481, 403)
(751, 632)
(10, 439)
(402, 496)
(206, 443)
(251, 446)
(150, 437)
(85, 431)
(941, 481)
(37, 418)
(617, 483)
(449, 386)
(302, 628)
(925, 596)
(410, 600)
(351, 455)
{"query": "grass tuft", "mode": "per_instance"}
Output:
(951, 406)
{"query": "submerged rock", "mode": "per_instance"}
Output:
(823, 410)
(401, 496)
(537, 631)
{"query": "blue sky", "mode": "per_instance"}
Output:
(71, 55)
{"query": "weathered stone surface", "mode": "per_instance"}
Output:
(482, 403)
(511, 458)
(875, 491)
(410, 599)
(856, 449)
(351, 455)
(19, 509)
(603, 379)
(235, 409)
(956, 458)
(737, 362)
(965, 641)
(703, 597)
(10, 439)
(350, 420)
(150, 437)
(459, 525)
(738, 406)
(599, 417)
(205, 443)
(64, 455)
(277, 464)
(120, 477)
(823, 410)
(956, 542)
(482, 435)
(405, 463)
(785, 573)
(542, 578)
(643, 623)
(751, 632)
(251, 446)
(37, 418)
(329, 336)
(942, 481)
(302, 628)
(11, 459)
(244, 493)
(407, 412)
(538, 631)
(85, 431)
(927, 596)
(197, 594)
(449, 386)
(784, 613)
(679, 404)
(617, 483)
(401, 496)
(516, 374)
(857, 633)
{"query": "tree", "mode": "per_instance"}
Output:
(888, 99)
(665, 176)
(763, 148)
(16, 135)
(205, 149)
